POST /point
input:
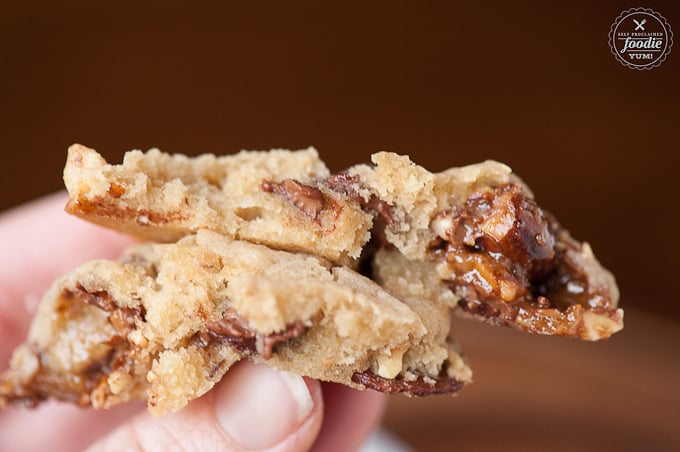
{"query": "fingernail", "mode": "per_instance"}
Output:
(259, 407)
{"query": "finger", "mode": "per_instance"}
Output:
(253, 408)
(40, 242)
(58, 426)
(351, 417)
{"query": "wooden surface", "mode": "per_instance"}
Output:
(540, 393)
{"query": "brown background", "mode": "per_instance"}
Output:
(529, 83)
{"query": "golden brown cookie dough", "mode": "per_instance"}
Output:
(166, 322)
(507, 261)
(162, 197)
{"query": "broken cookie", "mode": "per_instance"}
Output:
(264, 197)
(267, 256)
(166, 322)
(506, 260)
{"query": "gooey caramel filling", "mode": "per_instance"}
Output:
(505, 256)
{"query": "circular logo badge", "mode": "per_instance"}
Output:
(640, 38)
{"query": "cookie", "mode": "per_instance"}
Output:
(507, 261)
(271, 198)
(166, 321)
(482, 237)
(266, 256)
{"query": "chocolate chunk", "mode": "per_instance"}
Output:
(234, 329)
(350, 186)
(122, 318)
(305, 197)
(270, 340)
(101, 299)
(416, 388)
(231, 325)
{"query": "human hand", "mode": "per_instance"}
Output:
(253, 408)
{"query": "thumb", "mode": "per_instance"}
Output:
(253, 408)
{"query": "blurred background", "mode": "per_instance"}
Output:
(532, 84)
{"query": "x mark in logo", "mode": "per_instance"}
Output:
(639, 25)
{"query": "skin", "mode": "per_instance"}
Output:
(39, 242)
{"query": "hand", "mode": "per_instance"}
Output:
(253, 407)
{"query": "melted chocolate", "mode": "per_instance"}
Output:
(101, 299)
(234, 329)
(72, 387)
(349, 185)
(443, 384)
(305, 197)
(122, 318)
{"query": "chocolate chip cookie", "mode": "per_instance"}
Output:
(349, 277)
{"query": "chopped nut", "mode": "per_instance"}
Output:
(390, 363)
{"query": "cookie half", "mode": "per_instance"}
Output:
(271, 198)
(165, 322)
(482, 237)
